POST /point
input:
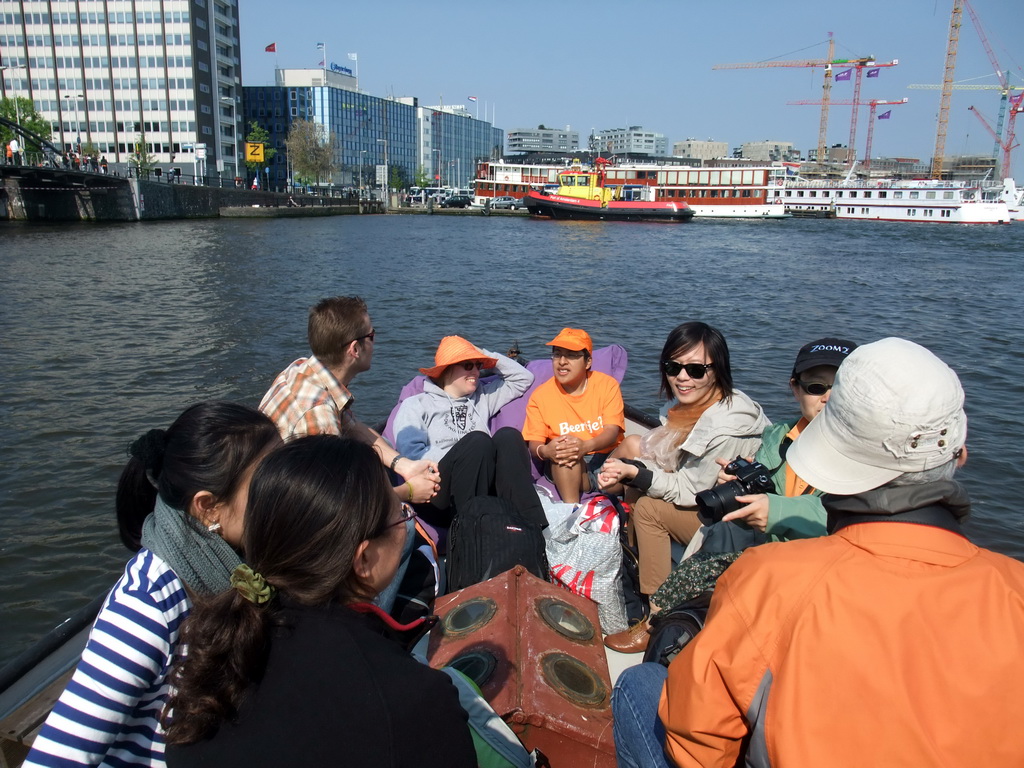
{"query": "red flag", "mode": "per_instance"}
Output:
(272, 48)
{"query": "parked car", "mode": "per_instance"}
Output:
(512, 203)
(457, 201)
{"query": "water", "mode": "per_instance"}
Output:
(107, 331)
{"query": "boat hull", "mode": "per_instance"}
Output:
(561, 207)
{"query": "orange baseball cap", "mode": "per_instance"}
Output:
(455, 349)
(574, 339)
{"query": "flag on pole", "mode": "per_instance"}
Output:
(844, 75)
(353, 56)
(873, 72)
(471, 98)
(272, 48)
(320, 46)
(322, 63)
(885, 115)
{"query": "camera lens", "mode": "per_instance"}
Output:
(719, 501)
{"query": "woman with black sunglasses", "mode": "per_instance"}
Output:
(705, 418)
(293, 665)
(448, 423)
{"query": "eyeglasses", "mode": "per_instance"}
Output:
(693, 370)
(470, 365)
(815, 388)
(370, 335)
(567, 354)
(408, 513)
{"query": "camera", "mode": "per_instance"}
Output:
(751, 478)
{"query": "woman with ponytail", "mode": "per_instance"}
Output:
(292, 665)
(180, 498)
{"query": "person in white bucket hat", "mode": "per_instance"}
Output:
(892, 641)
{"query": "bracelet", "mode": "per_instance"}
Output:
(394, 461)
(409, 486)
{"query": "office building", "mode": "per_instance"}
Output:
(700, 150)
(122, 76)
(768, 151)
(633, 140)
(543, 139)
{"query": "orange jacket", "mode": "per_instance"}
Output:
(884, 644)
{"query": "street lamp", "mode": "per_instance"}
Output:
(387, 178)
(78, 126)
(17, 106)
(362, 171)
(437, 167)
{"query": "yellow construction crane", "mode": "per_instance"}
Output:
(955, 20)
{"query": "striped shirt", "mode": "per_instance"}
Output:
(307, 399)
(109, 713)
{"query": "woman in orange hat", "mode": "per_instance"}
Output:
(448, 423)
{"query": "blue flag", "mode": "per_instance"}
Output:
(885, 115)
(873, 72)
(844, 75)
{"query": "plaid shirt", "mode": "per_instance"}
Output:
(306, 399)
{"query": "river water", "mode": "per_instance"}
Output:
(109, 330)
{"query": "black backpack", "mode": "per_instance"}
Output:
(487, 537)
(672, 629)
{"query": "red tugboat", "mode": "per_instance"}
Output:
(582, 194)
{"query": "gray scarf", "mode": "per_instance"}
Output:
(201, 559)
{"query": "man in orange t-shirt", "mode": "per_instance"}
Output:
(574, 419)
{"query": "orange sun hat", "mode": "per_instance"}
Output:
(455, 349)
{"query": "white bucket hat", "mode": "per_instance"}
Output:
(894, 408)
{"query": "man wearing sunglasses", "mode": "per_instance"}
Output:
(575, 418)
(311, 396)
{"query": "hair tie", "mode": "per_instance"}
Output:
(251, 585)
(149, 450)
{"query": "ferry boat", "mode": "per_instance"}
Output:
(726, 192)
(924, 200)
(584, 194)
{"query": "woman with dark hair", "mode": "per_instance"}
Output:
(181, 498)
(705, 418)
(292, 665)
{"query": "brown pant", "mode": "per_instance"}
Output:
(657, 523)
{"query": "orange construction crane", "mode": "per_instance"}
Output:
(873, 105)
(955, 20)
(1006, 143)
(827, 63)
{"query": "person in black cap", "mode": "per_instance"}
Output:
(794, 511)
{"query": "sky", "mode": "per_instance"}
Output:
(600, 64)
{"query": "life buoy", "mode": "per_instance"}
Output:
(778, 201)
(506, 178)
(779, 183)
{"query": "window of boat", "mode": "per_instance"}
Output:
(947, 195)
(897, 195)
(839, 193)
(746, 193)
(672, 177)
(883, 194)
(853, 193)
(582, 181)
(716, 177)
(867, 194)
(799, 193)
(864, 211)
(812, 193)
(968, 195)
(914, 194)
(945, 214)
(703, 177)
(748, 177)
(789, 193)
(714, 193)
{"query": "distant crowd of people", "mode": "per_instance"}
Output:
(851, 623)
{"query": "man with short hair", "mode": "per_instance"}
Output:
(575, 418)
(892, 641)
(311, 396)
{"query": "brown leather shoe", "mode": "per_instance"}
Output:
(632, 640)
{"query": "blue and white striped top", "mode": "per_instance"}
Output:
(109, 713)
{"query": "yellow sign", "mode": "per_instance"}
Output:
(253, 152)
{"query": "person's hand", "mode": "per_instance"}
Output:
(723, 463)
(754, 512)
(408, 468)
(563, 451)
(424, 488)
(614, 471)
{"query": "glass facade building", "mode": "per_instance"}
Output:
(116, 74)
